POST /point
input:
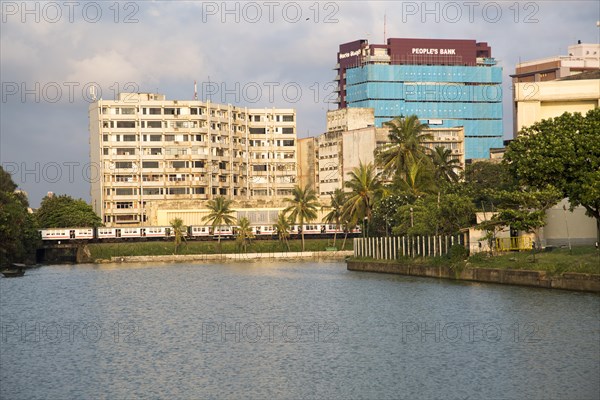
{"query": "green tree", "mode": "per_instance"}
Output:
(283, 229)
(365, 189)
(482, 179)
(523, 210)
(65, 212)
(179, 230)
(219, 215)
(302, 207)
(417, 181)
(443, 214)
(563, 152)
(244, 233)
(405, 147)
(334, 216)
(446, 168)
(19, 236)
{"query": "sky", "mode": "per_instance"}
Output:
(252, 54)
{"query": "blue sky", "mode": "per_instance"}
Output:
(255, 54)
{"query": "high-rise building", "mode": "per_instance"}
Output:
(150, 151)
(446, 83)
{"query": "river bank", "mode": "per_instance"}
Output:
(293, 255)
(542, 279)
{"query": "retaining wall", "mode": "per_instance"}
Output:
(567, 280)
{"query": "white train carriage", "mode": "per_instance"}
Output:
(196, 231)
(106, 233)
(223, 231)
(264, 230)
(67, 233)
(333, 229)
(312, 229)
(158, 232)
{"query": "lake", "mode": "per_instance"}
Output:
(289, 330)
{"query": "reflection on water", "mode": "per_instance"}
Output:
(289, 330)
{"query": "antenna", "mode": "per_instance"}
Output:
(384, 28)
(93, 92)
(195, 91)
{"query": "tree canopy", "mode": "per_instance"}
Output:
(66, 212)
(564, 153)
(18, 229)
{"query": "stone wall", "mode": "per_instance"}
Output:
(567, 280)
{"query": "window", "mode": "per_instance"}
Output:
(198, 190)
(259, 168)
(222, 165)
(179, 164)
(105, 138)
(128, 110)
(150, 164)
(152, 191)
(125, 124)
(124, 204)
(154, 124)
(129, 138)
(124, 178)
(176, 191)
(288, 130)
(105, 151)
(124, 151)
(287, 142)
(123, 164)
(257, 131)
(169, 138)
(154, 111)
(198, 164)
(288, 118)
(124, 192)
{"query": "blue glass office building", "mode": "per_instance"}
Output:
(446, 83)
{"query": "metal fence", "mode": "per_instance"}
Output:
(394, 247)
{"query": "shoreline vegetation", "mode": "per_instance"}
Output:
(103, 252)
(577, 269)
(581, 259)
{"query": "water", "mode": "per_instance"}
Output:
(289, 330)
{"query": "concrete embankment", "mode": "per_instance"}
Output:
(566, 280)
(332, 255)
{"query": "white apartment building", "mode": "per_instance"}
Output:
(150, 151)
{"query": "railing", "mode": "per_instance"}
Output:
(514, 243)
(394, 247)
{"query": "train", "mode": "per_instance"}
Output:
(193, 232)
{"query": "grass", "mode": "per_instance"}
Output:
(582, 259)
(124, 249)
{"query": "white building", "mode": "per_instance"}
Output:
(150, 152)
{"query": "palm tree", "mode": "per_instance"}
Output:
(179, 231)
(335, 215)
(244, 232)
(445, 166)
(283, 229)
(302, 207)
(418, 180)
(219, 214)
(406, 137)
(365, 188)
